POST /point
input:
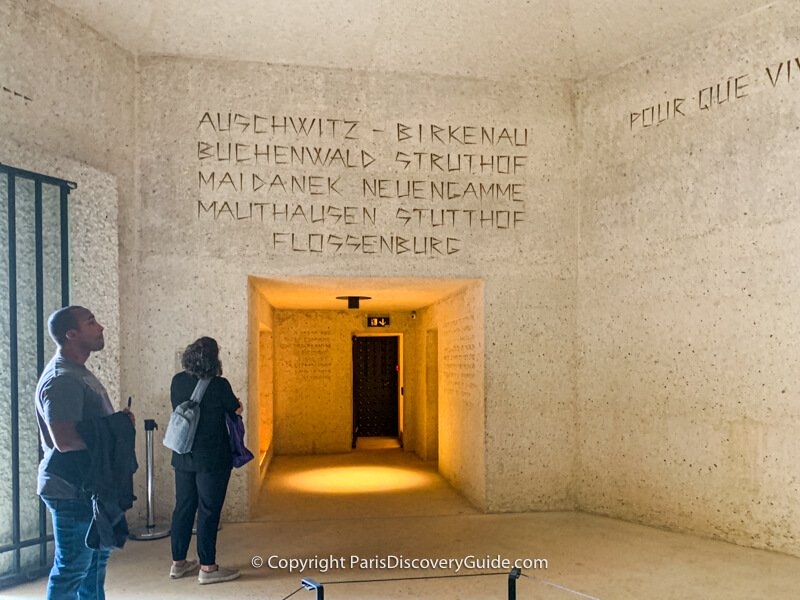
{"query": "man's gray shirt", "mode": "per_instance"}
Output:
(67, 391)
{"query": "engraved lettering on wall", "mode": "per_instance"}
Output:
(308, 356)
(460, 358)
(713, 96)
(323, 185)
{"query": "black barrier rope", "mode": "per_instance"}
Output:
(565, 589)
(293, 593)
(559, 587)
(310, 584)
(414, 578)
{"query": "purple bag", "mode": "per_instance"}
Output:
(240, 454)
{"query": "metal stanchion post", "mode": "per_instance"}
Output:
(512, 583)
(151, 531)
(311, 585)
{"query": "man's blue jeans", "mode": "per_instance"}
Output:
(78, 572)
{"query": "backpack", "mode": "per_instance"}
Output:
(182, 425)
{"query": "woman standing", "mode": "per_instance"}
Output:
(201, 475)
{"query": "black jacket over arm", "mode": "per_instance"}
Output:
(110, 443)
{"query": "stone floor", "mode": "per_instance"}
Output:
(587, 556)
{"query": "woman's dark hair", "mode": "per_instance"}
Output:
(201, 358)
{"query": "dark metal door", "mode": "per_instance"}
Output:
(375, 377)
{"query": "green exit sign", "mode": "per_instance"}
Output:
(377, 321)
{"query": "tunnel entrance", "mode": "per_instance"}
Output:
(323, 380)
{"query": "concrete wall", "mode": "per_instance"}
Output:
(259, 424)
(430, 449)
(183, 269)
(198, 246)
(458, 323)
(76, 107)
(422, 429)
(688, 261)
(69, 113)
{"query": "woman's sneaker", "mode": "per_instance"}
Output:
(218, 576)
(176, 572)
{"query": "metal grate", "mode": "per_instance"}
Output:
(34, 281)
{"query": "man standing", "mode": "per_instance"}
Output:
(66, 394)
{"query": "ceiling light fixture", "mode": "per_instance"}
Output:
(353, 301)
